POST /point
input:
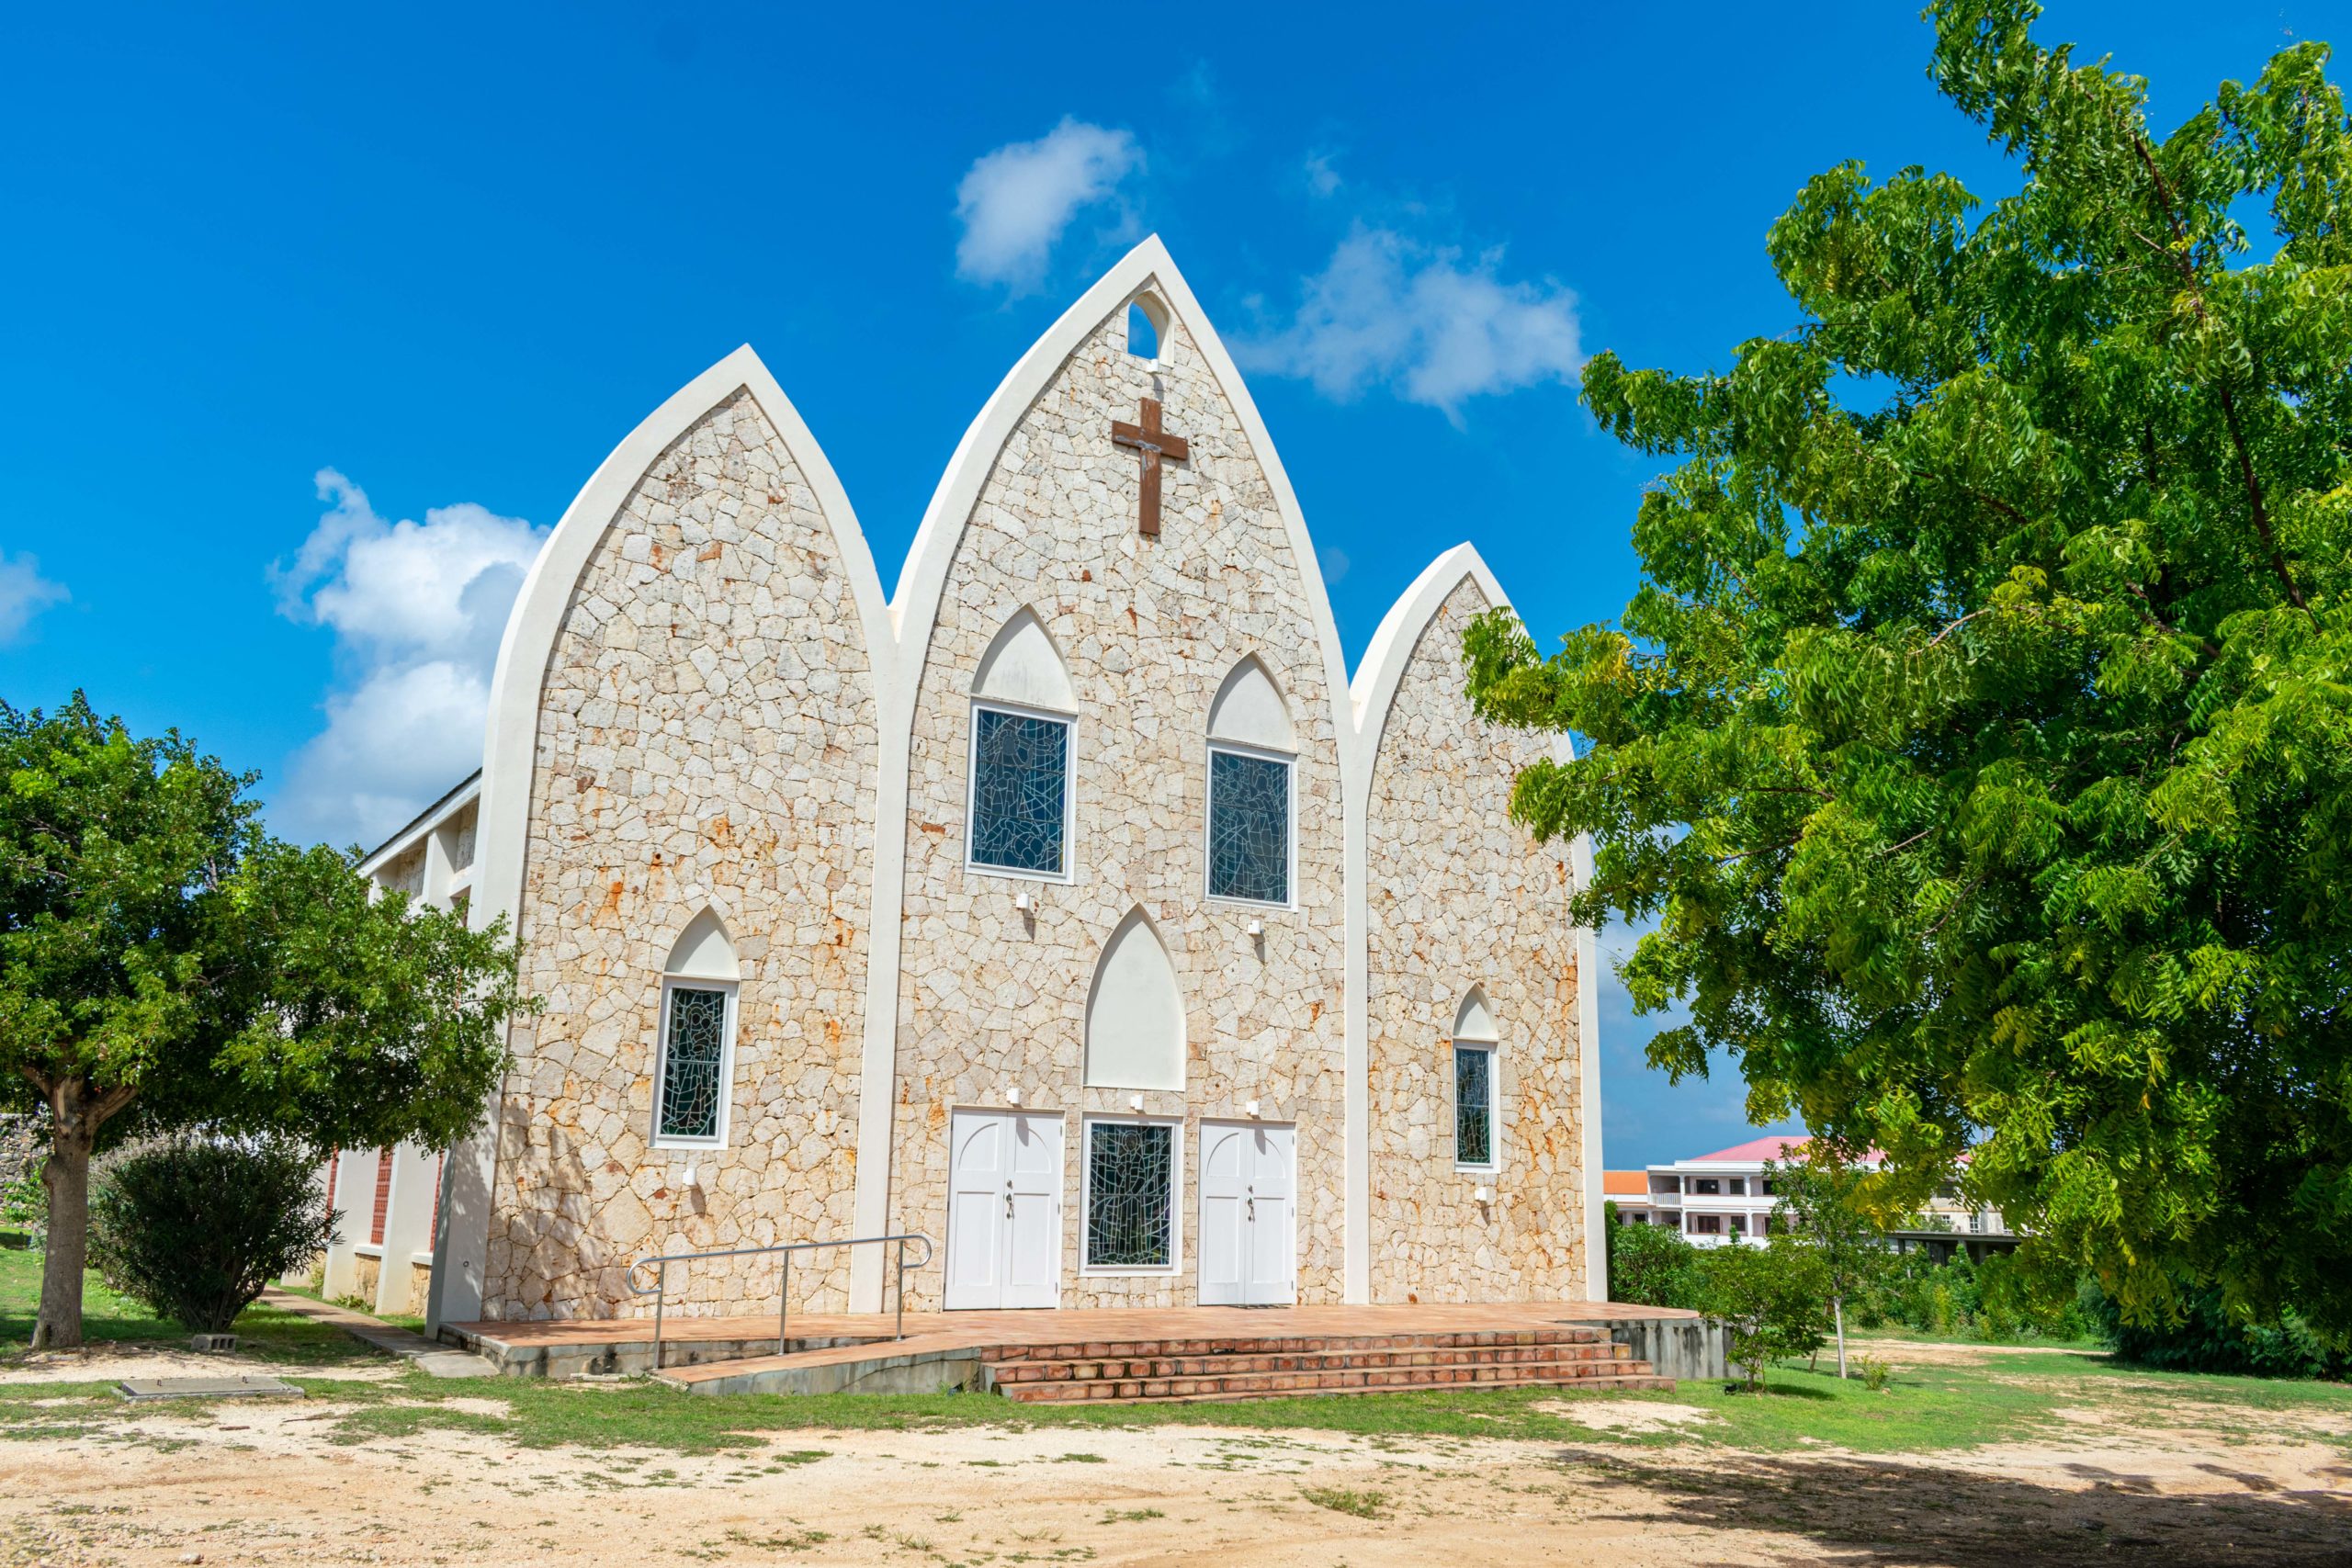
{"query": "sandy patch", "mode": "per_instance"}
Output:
(156, 1489)
(1608, 1415)
(108, 1363)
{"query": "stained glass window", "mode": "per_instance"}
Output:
(1249, 828)
(1130, 1195)
(694, 1063)
(1020, 770)
(1473, 1105)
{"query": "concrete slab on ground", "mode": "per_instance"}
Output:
(429, 1357)
(142, 1389)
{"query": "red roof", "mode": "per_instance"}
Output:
(1780, 1145)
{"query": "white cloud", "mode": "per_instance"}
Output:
(24, 593)
(1436, 326)
(1322, 180)
(417, 610)
(1015, 202)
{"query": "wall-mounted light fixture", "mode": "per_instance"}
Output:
(1012, 1095)
(1135, 1102)
(1257, 928)
(1250, 1108)
(1485, 1194)
(1021, 901)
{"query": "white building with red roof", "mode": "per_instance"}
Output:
(1727, 1197)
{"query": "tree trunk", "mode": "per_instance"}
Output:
(67, 1174)
(75, 1115)
(1837, 1310)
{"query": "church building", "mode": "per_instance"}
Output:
(1070, 906)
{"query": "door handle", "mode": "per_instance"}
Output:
(1252, 1214)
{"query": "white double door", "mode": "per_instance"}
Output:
(1005, 1214)
(1248, 1214)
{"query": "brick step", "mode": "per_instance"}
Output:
(1100, 1349)
(1301, 1360)
(1635, 1375)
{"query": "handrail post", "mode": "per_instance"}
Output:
(784, 1304)
(661, 1295)
(898, 1324)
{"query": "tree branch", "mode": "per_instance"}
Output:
(2196, 293)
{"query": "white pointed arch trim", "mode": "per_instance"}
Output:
(1250, 710)
(1135, 1012)
(1473, 1020)
(1146, 271)
(1021, 665)
(510, 743)
(704, 951)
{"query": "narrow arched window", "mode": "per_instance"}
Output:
(1474, 1045)
(1021, 778)
(695, 1077)
(1252, 764)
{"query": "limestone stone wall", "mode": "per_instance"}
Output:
(706, 738)
(990, 999)
(1457, 896)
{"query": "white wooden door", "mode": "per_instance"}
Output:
(1248, 1214)
(1005, 1214)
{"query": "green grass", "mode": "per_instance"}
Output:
(266, 1332)
(1347, 1500)
(1922, 1336)
(1994, 1398)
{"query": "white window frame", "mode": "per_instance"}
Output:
(1208, 824)
(670, 984)
(1494, 1160)
(1068, 722)
(1175, 1265)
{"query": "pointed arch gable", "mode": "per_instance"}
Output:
(1250, 710)
(1148, 276)
(1135, 1012)
(517, 683)
(1021, 665)
(1374, 690)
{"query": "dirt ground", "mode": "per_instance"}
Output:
(252, 1482)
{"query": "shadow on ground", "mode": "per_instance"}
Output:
(1924, 1515)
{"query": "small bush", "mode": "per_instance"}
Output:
(1774, 1300)
(196, 1227)
(1873, 1372)
(1653, 1266)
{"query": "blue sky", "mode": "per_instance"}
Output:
(317, 318)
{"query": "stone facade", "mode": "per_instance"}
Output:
(706, 739)
(715, 725)
(992, 998)
(1459, 896)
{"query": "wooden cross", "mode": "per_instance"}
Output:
(1152, 443)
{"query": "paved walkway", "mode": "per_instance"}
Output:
(1056, 1325)
(435, 1360)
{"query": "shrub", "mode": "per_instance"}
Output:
(194, 1227)
(1653, 1266)
(1773, 1299)
(1875, 1373)
(2207, 1339)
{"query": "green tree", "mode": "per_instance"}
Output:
(1653, 1266)
(1770, 1299)
(166, 965)
(1979, 739)
(1824, 1199)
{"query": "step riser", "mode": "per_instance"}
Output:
(1610, 1356)
(1100, 1349)
(1147, 1390)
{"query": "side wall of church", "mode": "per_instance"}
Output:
(706, 739)
(1460, 895)
(990, 1000)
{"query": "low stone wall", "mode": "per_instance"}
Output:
(1677, 1347)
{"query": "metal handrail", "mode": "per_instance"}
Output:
(659, 1289)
